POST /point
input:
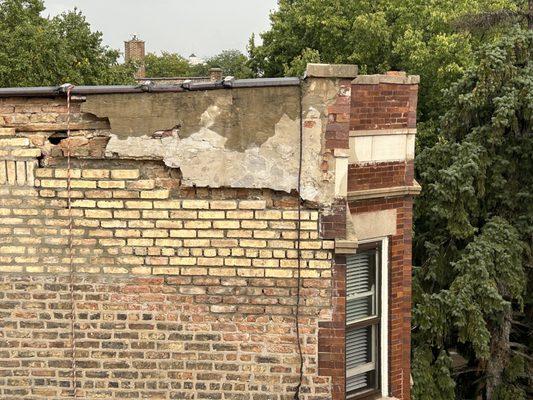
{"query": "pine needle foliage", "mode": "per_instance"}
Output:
(474, 227)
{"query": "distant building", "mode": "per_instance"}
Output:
(134, 50)
(194, 60)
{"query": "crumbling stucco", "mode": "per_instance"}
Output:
(245, 117)
(242, 138)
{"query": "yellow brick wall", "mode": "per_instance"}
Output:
(179, 293)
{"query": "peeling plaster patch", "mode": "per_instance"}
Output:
(206, 159)
(246, 116)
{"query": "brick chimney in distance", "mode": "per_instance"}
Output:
(135, 51)
(215, 74)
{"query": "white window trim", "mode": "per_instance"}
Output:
(384, 325)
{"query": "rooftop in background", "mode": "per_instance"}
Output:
(135, 50)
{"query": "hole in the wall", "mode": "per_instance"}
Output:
(57, 137)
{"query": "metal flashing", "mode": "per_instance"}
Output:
(47, 91)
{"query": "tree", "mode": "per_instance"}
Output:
(411, 35)
(474, 232)
(232, 62)
(41, 51)
(166, 65)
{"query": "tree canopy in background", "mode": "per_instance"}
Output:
(411, 35)
(233, 63)
(39, 51)
(474, 232)
(166, 65)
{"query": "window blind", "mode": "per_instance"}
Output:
(361, 306)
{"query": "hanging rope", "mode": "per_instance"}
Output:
(69, 88)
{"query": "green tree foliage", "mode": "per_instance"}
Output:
(232, 62)
(474, 230)
(411, 35)
(166, 65)
(38, 51)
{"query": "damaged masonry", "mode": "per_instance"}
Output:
(160, 233)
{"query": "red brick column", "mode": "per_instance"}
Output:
(386, 105)
(331, 334)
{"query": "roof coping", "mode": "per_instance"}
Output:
(331, 70)
(48, 91)
(394, 77)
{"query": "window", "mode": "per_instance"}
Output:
(365, 327)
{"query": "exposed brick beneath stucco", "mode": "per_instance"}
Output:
(333, 224)
(338, 127)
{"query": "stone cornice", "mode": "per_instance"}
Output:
(397, 191)
(379, 132)
(400, 79)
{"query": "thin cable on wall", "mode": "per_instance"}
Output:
(298, 251)
(68, 90)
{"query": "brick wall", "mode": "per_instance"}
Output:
(179, 293)
(380, 175)
(383, 106)
(180, 337)
(400, 260)
(331, 334)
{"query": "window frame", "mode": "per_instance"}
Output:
(378, 323)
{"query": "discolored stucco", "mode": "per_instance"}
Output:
(245, 117)
(241, 138)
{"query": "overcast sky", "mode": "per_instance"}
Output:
(203, 27)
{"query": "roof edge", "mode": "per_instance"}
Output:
(47, 91)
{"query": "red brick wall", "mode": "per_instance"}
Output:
(383, 106)
(380, 175)
(338, 128)
(399, 290)
(157, 337)
(331, 334)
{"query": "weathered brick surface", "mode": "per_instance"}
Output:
(380, 175)
(383, 106)
(400, 295)
(338, 128)
(157, 231)
(179, 293)
(334, 222)
(191, 337)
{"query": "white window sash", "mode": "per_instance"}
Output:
(383, 271)
(361, 369)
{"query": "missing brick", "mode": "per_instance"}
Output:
(57, 137)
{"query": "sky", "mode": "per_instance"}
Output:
(203, 27)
